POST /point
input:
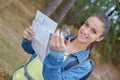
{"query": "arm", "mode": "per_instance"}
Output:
(27, 39)
(53, 64)
(27, 46)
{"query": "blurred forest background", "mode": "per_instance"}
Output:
(16, 15)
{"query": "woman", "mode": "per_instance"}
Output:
(93, 30)
(63, 53)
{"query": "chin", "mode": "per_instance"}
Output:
(82, 40)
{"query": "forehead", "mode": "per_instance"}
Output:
(96, 23)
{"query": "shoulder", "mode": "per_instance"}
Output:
(87, 65)
(80, 70)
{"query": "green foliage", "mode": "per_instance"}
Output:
(108, 47)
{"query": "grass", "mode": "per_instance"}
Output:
(11, 53)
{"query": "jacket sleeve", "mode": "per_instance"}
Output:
(27, 46)
(52, 68)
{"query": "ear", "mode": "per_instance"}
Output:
(100, 38)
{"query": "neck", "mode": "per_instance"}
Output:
(79, 45)
(76, 46)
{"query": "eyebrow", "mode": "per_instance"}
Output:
(93, 27)
(87, 23)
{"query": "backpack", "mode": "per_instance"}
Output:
(28, 71)
(70, 65)
(75, 62)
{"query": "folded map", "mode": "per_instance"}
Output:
(43, 27)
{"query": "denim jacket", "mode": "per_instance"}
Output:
(27, 46)
(54, 62)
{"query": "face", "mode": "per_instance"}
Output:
(91, 31)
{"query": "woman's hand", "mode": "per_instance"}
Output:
(57, 41)
(28, 33)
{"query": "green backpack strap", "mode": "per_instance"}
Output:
(27, 75)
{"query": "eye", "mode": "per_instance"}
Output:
(94, 31)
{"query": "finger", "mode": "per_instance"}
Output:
(31, 29)
(30, 38)
(58, 32)
(24, 36)
(52, 42)
(27, 36)
(62, 43)
(57, 41)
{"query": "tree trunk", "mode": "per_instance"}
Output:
(72, 17)
(63, 10)
(51, 7)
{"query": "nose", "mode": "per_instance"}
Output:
(86, 31)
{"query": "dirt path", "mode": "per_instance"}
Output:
(105, 72)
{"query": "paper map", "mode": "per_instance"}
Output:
(43, 27)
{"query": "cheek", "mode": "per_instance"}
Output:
(93, 37)
(81, 28)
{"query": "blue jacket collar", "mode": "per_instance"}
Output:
(82, 55)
